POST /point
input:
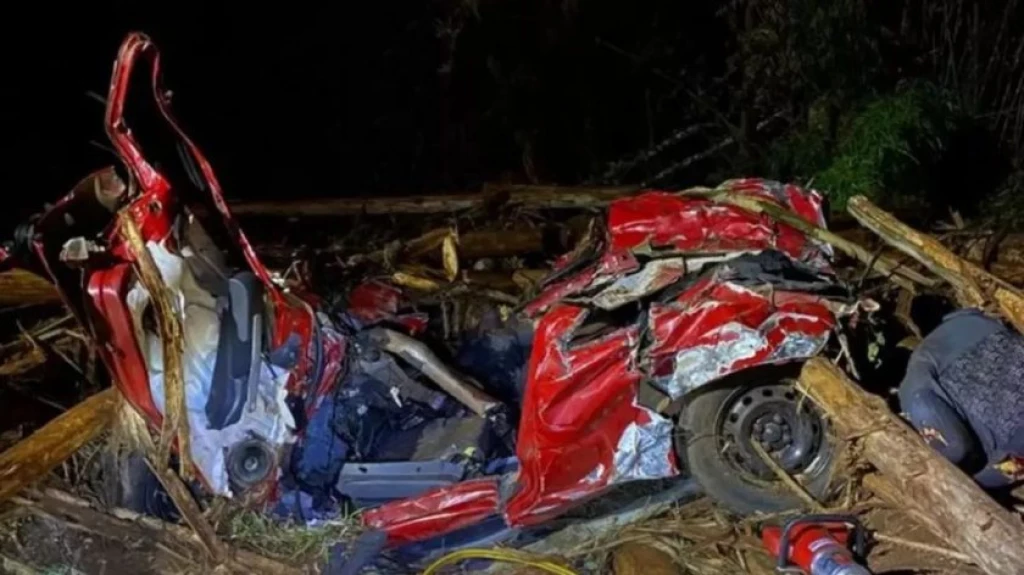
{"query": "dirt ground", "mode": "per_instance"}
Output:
(49, 546)
(696, 538)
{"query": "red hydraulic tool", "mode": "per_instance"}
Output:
(817, 545)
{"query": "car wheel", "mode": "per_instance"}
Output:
(129, 483)
(721, 425)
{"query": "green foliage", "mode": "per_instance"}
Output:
(801, 154)
(890, 149)
(793, 52)
(886, 150)
(289, 541)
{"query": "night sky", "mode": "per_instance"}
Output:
(267, 96)
(354, 99)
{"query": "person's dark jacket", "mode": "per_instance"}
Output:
(964, 392)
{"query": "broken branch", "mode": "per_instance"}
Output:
(899, 273)
(33, 457)
(175, 423)
(974, 286)
(118, 520)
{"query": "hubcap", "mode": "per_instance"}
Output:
(774, 417)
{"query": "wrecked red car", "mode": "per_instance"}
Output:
(663, 346)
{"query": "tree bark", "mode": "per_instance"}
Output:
(974, 286)
(543, 197)
(33, 457)
(175, 423)
(21, 287)
(951, 503)
(502, 243)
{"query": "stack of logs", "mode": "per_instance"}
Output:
(936, 493)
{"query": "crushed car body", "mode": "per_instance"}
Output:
(670, 294)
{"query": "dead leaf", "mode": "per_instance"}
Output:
(636, 558)
(450, 255)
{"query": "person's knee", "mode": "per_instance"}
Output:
(941, 429)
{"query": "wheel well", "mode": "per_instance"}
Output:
(748, 376)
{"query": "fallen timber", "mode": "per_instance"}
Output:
(947, 500)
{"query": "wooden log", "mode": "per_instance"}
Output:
(539, 197)
(21, 287)
(503, 243)
(954, 506)
(974, 286)
(33, 457)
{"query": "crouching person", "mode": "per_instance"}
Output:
(964, 393)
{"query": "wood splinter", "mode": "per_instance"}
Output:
(175, 422)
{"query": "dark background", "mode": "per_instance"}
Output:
(341, 100)
(413, 96)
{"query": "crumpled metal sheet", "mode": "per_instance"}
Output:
(579, 400)
(373, 302)
(437, 511)
(654, 276)
(645, 450)
(664, 221)
(717, 328)
(667, 224)
(735, 346)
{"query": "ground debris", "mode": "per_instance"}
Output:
(455, 263)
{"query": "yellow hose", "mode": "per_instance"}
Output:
(505, 555)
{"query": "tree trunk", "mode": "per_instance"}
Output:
(21, 287)
(544, 197)
(33, 457)
(949, 502)
(974, 286)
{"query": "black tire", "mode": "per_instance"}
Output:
(129, 483)
(717, 466)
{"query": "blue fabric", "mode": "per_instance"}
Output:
(940, 425)
(302, 507)
(318, 458)
(497, 359)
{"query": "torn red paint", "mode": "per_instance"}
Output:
(579, 401)
(374, 302)
(436, 512)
